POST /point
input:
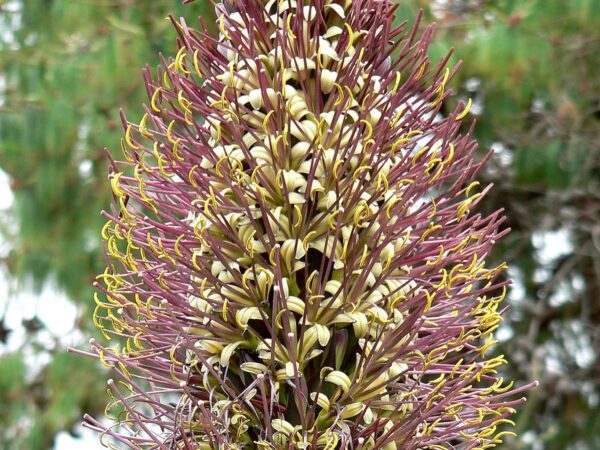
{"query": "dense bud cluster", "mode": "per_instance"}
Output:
(293, 258)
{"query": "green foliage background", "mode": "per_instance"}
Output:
(531, 67)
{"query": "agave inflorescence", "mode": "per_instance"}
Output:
(293, 258)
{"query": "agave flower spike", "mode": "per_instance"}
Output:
(294, 255)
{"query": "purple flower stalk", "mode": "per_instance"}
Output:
(293, 257)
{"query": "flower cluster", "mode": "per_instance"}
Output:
(293, 260)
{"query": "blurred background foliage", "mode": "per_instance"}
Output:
(531, 68)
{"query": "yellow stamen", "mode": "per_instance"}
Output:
(465, 111)
(197, 63)
(397, 82)
(130, 143)
(153, 101)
